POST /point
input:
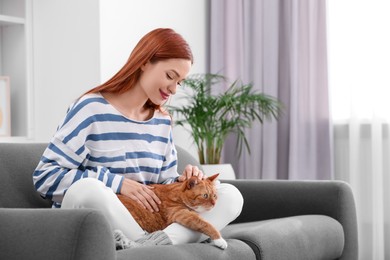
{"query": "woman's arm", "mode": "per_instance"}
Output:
(60, 167)
(63, 162)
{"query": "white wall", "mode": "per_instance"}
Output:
(123, 23)
(65, 58)
(79, 44)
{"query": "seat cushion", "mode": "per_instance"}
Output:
(298, 237)
(236, 250)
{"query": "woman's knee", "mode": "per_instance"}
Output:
(86, 193)
(231, 198)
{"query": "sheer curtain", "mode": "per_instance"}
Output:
(279, 46)
(359, 63)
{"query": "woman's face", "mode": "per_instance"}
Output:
(159, 80)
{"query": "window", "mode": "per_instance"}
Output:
(359, 59)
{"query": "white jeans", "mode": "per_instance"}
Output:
(92, 193)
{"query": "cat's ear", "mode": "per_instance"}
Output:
(213, 177)
(192, 182)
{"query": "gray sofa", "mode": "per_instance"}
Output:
(280, 220)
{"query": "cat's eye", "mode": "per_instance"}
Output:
(205, 196)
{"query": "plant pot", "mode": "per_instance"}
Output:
(225, 171)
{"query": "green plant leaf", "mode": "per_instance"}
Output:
(212, 117)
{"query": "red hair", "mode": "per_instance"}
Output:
(159, 44)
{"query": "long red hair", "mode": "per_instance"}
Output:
(159, 44)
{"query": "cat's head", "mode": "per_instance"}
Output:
(200, 195)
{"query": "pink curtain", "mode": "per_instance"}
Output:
(279, 46)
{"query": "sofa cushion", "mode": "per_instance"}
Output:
(236, 250)
(298, 237)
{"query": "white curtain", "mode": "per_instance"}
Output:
(359, 73)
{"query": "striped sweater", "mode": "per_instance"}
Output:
(97, 141)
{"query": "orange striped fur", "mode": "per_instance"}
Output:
(180, 202)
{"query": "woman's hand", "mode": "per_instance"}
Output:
(190, 171)
(141, 193)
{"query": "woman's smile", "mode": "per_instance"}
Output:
(164, 95)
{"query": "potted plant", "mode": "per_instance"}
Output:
(212, 117)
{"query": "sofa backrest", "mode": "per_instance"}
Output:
(17, 164)
(184, 158)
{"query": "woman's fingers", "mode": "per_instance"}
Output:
(181, 178)
(147, 201)
(190, 171)
(133, 197)
(152, 198)
(141, 193)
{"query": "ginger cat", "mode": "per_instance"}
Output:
(180, 202)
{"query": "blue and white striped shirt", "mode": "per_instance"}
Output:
(95, 140)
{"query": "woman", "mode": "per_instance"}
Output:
(117, 138)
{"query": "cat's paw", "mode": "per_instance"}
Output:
(220, 242)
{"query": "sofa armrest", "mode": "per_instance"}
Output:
(55, 234)
(269, 199)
